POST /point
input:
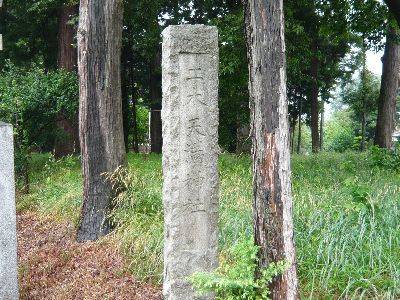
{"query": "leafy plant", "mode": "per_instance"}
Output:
(385, 158)
(234, 279)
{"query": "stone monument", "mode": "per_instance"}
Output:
(8, 235)
(190, 156)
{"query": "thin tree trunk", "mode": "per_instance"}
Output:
(314, 98)
(68, 140)
(299, 133)
(292, 136)
(100, 110)
(272, 196)
(385, 123)
(321, 130)
(155, 97)
(135, 124)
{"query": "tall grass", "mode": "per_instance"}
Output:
(346, 214)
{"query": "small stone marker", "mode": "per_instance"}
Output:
(8, 235)
(190, 156)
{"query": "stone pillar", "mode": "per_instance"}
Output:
(190, 156)
(8, 234)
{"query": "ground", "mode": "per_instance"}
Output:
(53, 266)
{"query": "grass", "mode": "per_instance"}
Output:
(346, 214)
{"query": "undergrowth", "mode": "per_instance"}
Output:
(346, 215)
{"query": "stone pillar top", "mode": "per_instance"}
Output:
(200, 39)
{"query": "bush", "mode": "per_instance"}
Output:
(31, 101)
(234, 279)
(386, 158)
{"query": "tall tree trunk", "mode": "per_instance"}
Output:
(155, 97)
(272, 196)
(68, 140)
(100, 110)
(385, 123)
(314, 98)
(299, 133)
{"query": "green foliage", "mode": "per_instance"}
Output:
(234, 279)
(32, 101)
(386, 158)
(339, 132)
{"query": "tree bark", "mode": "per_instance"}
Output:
(272, 196)
(100, 110)
(314, 98)
(385, 123)
(68, 141)
(67, 52)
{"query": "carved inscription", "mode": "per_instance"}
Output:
(190, 156)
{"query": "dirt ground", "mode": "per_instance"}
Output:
(53, 266)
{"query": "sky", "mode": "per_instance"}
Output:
(374, 63)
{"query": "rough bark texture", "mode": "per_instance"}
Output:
(100, 110)
(385, 123)
(68, 140)
(190, 156)
(314, 99)
(272, 205)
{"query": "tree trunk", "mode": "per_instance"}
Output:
(100, 110)
(134, 117)
(155, 97)
(385, 123)
(67, 52)
(272, 196)
(299, 133)
(321, 129)
(314, 98)
(68, 140)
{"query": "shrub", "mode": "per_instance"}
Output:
(234, 279)
(31, 101)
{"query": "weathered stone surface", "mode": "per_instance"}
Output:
(190, 156)
(8, 236)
